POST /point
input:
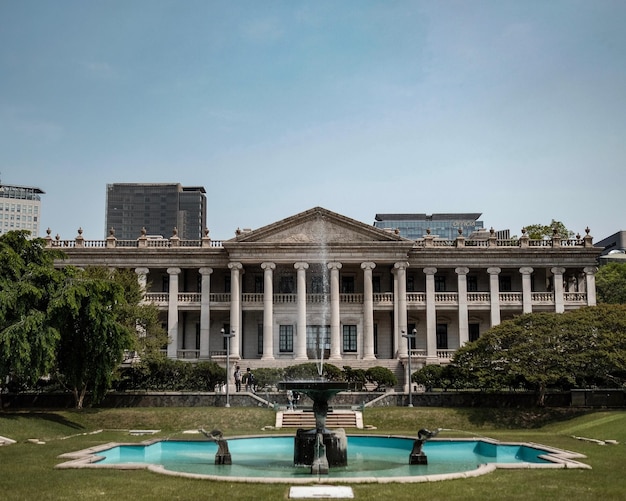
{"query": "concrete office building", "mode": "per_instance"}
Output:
(321, 280)
(160, 209)
(20, 208)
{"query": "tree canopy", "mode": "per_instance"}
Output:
(549, 350)
(541, 231)
(611, 283)
(28, 281)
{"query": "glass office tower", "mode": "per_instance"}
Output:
(159, 208)
(415, 226)
(20, 208)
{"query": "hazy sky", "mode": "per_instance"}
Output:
(516, 109)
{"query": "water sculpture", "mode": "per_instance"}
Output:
(223, 454)
(417, 455)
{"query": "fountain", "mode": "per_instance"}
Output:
(417, 455)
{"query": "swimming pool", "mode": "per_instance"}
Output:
(370, 459)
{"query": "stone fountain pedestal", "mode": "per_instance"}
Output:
(319, 448)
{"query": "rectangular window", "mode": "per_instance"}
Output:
(347, 285)
(349, 338)
(259, 284)
(410, 283)
(474, 332)
(376, 288)
(317, 337)
(440, 283)
(505, 283)
(375, 339)
(442, 336)
(259, 339)
(285, 338)
(197, 336)
(285, 285)
(317, 285)
(472, 283)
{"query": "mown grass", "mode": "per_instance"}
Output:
(27, 469)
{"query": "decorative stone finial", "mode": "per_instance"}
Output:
(206, 232)
(80, 231)
(143, 231)
(492, 231)
(238, 232)
(48, 232)
(175, 232)
(460, 231)
(112, 231)
(428, 231)
(523, 231)
(587, 230)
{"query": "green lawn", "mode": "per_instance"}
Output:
(27, 470)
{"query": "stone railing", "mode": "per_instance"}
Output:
(413, 298)
(427, 241)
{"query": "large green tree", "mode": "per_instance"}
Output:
(28, 281)
(549, 350)
(611, 283)
(88, 311)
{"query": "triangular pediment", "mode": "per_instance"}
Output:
(317, 226)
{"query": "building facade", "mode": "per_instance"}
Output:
(318, 284)
(160, 209)
(20, 208)
(415, 226)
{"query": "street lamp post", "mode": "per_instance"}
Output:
(408, 337)
(227, 336)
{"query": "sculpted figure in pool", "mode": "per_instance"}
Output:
(223, 454)
(417, 456)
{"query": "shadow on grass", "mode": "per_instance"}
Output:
(47, 416)
(520, 418)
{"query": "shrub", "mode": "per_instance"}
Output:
(381, 377)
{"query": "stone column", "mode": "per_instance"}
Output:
(235, 308)
(590, 284)
(172, 313)
(400, 299)
(268, 311)
(559, 298)
(397, 340)
(301, 323)
(142, 278)
(335, 334)
(205, 311)
(527, 294)
(494, 291)
(463, 313)
(368, 312)
(431, 317)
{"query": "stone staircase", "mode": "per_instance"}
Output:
(336, 418)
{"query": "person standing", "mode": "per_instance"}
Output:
(238, 378)
(249, 377)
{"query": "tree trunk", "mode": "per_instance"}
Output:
(541, 400)
(79, 397)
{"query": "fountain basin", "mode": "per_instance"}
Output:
(370, 459)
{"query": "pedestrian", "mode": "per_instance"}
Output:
(237, 378)
(250, 382)
(289, 400)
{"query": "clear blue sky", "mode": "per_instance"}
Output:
(516, 109)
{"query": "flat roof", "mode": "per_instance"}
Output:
(444, 216)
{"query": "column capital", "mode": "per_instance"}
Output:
(205, 271)
(334, 266)
(235, 266)
(526, 270)
(368, 266)
(430, 271)
(462, 270)
(302, 266)
(401, 265)
(142, 271)
(590, 270)
(557, 270)
(268, 266)
(173, 271)
(494, 270)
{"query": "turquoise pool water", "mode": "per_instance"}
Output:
(368, 456)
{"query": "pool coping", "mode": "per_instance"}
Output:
(558, 459)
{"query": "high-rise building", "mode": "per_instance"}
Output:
(415, 226)
(158, 208)
(20, 208)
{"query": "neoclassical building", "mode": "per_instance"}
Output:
(319, 282)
